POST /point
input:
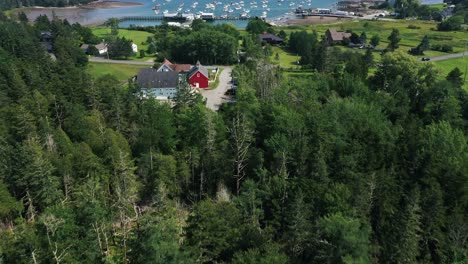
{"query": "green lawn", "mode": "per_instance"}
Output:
(439, 6)
(409, 37)
(446, 66)
(286, 59)
(214, 85)
(138, 37)
(121, 71)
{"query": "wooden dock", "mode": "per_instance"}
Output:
(178, 18)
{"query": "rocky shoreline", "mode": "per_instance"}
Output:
(75, 14)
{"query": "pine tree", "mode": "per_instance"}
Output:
(394, 38)
(455, 77)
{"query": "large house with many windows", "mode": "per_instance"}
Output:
(163, 83)
(160, 85)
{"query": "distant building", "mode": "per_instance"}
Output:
(198, 76)
(160, 85)
(169, 66)
(46, 41)
(134, 48)
(207, 16)
(333, 36)
(101, 47)
(47, 36)
(271, 39)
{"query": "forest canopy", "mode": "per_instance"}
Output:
(9, 4)
(333, 166)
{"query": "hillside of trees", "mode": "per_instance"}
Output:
(9, 4)
(328, 167)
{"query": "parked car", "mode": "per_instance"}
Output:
(425, 59)
(230, 91)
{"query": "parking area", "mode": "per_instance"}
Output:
(215, 97)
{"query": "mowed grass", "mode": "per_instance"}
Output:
(285, 58)
(446, 66)
(409, 37)
(440, 7)
(138, 37)
(120, 71)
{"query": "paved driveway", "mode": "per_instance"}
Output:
(104, 60)
(449, 56)
(215, 97)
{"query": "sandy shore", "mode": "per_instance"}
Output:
(75, 14)
(109, 4)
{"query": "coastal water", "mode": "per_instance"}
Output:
(271, 9)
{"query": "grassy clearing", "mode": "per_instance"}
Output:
(446, 66)
(121, 71)
(286, 59)
(214, 85)
(289, 75)
(409, 37)
(138, 37)
(438, 6)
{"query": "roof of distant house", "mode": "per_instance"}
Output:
(182, 67)
(46, 36)
(268, 36)
(151, 78)
(338, 35)
(198, 67)
(99, 46)
(177, 67)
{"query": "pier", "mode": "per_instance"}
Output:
(179, 18)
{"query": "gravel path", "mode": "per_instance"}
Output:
(215, 97)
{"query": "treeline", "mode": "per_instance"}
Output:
(10, 4)
(328, 167)
(209, 44)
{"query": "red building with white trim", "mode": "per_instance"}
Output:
(198, 76)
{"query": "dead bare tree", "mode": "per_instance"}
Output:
(52, 223)
(267, 80)
(242, 136)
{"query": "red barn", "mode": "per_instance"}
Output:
(198, 76)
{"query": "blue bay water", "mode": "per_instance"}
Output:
(273, 9)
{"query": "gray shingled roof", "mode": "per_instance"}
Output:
(150, 78)
(198, 67)
(338, 35)
(267, 36)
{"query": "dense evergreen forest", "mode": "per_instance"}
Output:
(329, 167)
(9, 4)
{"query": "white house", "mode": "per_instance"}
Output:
(134, 48)
(101, 47)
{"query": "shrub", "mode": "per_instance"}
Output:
(414, 27)
(443, 47)
(452, 23)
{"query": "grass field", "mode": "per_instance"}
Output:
(121, 71)
(286, 59)
(409, 37)
(446, 66)
(215, 83)
(439, 6)
(138, 37)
